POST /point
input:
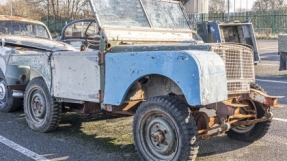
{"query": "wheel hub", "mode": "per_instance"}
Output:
(2, 91)
(162, 137)
(159, 136)
(38, 105)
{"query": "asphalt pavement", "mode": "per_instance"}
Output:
(68, 142)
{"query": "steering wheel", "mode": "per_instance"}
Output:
(93, 40)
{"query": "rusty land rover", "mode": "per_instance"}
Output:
(145, 62)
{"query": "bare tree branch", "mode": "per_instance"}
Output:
(218, 6)
(37, 9)
(268, 5)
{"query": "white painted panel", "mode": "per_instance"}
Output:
(76, 75)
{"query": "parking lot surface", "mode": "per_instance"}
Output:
(76, 140)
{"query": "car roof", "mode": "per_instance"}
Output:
(16, 18)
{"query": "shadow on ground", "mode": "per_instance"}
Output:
(219, 145)
(272, 56)
(114, 134)
(105, 133)
(110, 133)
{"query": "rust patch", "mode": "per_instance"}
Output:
(122, 113)
(214, 120)
(124, 109)
(102, 58)
(15, 18)
(90, 108)
(130, 105)
(222, 109)
(201, 119)
(17, 87)
(264, 98)
(126, 106)
(250, 122)
(101, 94)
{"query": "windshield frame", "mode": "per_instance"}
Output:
(97, 17)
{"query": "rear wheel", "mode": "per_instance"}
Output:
(7, 102)
(164, 129)
(42, 112)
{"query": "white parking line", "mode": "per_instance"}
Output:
(22, 150)
(278, 119)
(272, 81)
(268, 64)
(273, 47)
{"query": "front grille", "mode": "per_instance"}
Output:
(239, 66)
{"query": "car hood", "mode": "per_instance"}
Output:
(39, 43)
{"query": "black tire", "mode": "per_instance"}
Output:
(257, 87)
(255, 131)
(42, 112)
(164, 117)
(7, 102)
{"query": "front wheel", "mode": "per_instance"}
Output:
(42, 112)
(164, 129)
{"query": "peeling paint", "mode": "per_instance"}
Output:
(191, 75)
(44, 44)
(37, 62)
(15, 18)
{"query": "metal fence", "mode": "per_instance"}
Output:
(269, 22)
(55, 26)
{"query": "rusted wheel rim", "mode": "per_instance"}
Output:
(159, 137)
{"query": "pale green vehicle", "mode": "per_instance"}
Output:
(20, 36)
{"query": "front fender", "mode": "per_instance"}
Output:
(199, 74)
(36, 62)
